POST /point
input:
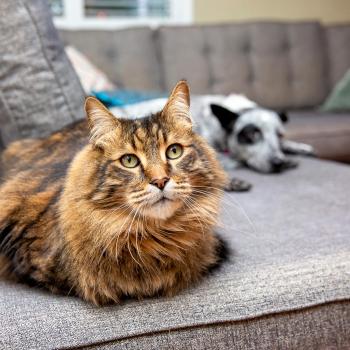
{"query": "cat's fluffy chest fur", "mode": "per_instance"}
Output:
(103, 230)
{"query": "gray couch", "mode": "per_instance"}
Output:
(289, 66)
(287, 282)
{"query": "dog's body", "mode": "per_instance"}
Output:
(242, 132)
(255, 135)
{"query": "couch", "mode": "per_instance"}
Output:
(286, 284)
(285, 66)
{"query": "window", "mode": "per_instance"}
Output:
(127, 8)
(105, 14)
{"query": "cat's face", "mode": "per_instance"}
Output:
(151, 166)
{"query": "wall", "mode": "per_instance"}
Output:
(327, 11)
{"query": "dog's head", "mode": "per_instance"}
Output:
(254, 137)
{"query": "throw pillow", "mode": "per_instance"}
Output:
(339, 99)
(39, 90)
(91, 77)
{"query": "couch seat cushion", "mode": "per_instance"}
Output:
(290, 247)
(328, 132)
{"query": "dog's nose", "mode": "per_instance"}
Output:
(160, 183)
(277, 164)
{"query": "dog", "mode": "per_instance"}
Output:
(243, 133)
(255, 136)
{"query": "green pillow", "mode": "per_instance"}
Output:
(339, 99)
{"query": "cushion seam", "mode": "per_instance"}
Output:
(209, 324)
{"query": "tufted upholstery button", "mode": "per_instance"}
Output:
(250, 77)
(111, 53)
(285, 46)
(206, 50)
(246, 47)
(211, 83)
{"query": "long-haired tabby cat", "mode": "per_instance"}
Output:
(122, 208)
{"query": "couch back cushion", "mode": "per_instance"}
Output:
(279, 65)
(127, 56)
(39, 90)
(338, 40)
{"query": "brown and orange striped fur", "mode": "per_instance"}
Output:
(75, 220)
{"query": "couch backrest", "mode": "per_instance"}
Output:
(276, 64)
(338, 48)
(279, 65)
(128, 56)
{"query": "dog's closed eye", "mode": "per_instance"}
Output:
(280, 134)
(249, 135)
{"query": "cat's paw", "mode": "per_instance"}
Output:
(237, 185)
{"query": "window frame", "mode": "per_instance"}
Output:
(181, 12)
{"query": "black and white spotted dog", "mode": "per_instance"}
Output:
(243, 133)
(254, 136)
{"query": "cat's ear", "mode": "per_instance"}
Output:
(102, 123)
(178, 106)
(226, 117)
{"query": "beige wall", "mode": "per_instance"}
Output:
(328, 11)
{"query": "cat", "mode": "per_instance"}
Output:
(113, 208)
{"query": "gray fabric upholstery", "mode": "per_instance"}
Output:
(290, 330)
(128, 56)
(279, 65)
(338, 39)
(276, 64)
(328, 133)
(288, 260)
(39, 91)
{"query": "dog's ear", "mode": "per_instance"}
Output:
(226, 117)
(283, 116)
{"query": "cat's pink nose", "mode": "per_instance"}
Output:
(160, 183)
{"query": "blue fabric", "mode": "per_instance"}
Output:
(120, 98)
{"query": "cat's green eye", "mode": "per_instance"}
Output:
(174, 151)
(129, 161)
